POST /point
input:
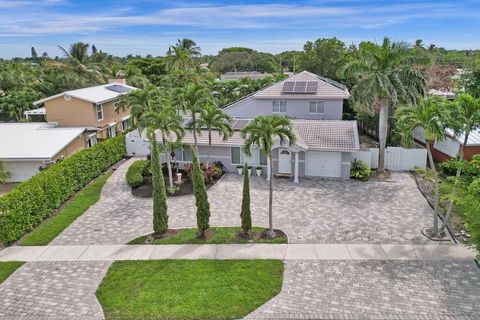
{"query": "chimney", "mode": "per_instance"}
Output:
(118, 80)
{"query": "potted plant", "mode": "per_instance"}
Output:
(250, 170)
(239, 170)
(259, 171)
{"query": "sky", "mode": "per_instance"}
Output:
(143, 27)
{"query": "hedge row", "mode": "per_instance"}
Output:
(32, 201)
(135, 172)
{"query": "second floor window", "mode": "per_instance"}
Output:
(279, 106)
(316, 107)
(99, 109)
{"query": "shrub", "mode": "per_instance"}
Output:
(201, 198)
(32, 201)
(210, 173)
(160, 215)
(245, 214)
(136, 173)
(360, 171)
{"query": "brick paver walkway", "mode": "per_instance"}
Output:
(314, 211)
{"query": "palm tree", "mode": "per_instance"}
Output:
(192, 98)
(163, 117)
(427, 115)
(262, 132)
(139, 102)
(78, 57)
(179, 59)
(465, 117)
(385, 75)
(212, 118)
(188, 45)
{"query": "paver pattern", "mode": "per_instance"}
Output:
(376, 290)
(53, 290)
(313, 211)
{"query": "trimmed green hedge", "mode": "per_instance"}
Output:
(135, 172)
(32, 201)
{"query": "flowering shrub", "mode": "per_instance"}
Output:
(209, 174)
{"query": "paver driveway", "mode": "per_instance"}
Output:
(314, 211)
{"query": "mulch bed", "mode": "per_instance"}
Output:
(184, 189)
(385, 176)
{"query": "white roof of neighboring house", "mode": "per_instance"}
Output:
(35, 112)
(327, 89)
(97, 94)
(442, 93)
(243, 74)
(473, 137)
(34, 140)
(326, 135)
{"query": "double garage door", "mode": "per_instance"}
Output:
(323, 164)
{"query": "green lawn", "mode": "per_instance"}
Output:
(460, 210)
(217, 235)
(7, 268)
(188, 289)
(48, 230)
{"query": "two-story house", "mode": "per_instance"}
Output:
(76, 120)
(325, 142)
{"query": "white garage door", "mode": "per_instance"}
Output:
(323, 164)
(21, 170)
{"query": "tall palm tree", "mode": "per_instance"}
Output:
(188, 45)
(385, 75)
(139, 102)
(78, 57)
(214, 118)
(179, 59)
(163, 117)
(427, 114)
(465, 118)
(262, 132)
(192, 98)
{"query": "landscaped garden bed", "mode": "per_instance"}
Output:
(142, 182)
(214, 235)
(188, 289)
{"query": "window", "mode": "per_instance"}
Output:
(239, 157)
(111, 131)
(183, 155)
(316, 107)
(99, 110)
(92, 140)
(125, 124)
(279, 106)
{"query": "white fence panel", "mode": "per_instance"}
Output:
(136, 144)
(396, 159)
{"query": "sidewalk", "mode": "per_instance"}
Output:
(238, 251)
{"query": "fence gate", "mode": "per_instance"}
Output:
(394, 158)
(137, 145)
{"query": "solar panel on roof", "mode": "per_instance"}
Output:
(118, 88)
(300, 87)
(288, 86)
(312, 87)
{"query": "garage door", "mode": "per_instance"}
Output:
(21, 170)
(323, 164)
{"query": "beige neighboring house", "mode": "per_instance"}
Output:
(26, 148)
(92, 108)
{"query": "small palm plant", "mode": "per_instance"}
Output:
(427, 115)
(262, 132)
(214, 118)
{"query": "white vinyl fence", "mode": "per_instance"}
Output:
(137, 146)
(396, 158)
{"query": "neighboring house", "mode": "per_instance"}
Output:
(254, 75)
(26, 148)
(93, 108)
(450, 146)
(450, 95)
(325, 143)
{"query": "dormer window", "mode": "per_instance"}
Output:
(279, 106)
(316, 107)
(99, 110)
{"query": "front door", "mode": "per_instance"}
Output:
(284, 161)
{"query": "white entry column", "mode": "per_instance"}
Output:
(295, 177)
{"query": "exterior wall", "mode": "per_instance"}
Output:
(22, 170)
(470, 151)
(346, 164)
(80, 113)
(298, 109)
(76, 145)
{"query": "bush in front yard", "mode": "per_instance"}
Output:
(135, 173)
(201, 198)
(245, 214)
(360, 171)
(32, 201)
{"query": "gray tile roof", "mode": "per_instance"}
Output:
(327, 135)
(327, 89)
